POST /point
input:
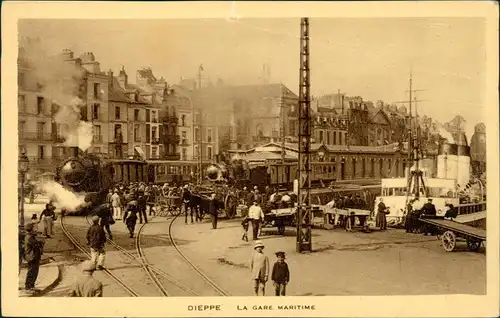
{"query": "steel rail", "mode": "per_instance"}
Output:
(142, 259)
(144, 264)
(79, 246)
(196, 269)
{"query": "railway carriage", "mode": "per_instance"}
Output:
(171, 171)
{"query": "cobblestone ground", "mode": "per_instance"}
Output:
(378, 263)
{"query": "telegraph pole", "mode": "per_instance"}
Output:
(304, 220)
(200, 135)
(282, 126)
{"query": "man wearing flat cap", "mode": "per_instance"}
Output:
(87, 285)
(32, 254)
(259, 267)
(96, 238)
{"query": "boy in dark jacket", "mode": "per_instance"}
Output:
(280, 274)
(96, 238)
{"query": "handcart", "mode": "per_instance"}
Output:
(168, 205)
(451, 231)
(280, 218)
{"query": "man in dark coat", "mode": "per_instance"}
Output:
(213, 211)
(130, 218)
(429, 209)
(96, 238)
(103, 211)
(142, 206)
(186, 199)
(32, 254)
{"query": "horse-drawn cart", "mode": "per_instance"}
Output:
(451, 231)
(280, 218)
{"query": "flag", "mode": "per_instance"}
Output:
(201, 67)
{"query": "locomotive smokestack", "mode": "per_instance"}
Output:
(74, 151)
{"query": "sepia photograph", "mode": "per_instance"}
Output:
(252, 157)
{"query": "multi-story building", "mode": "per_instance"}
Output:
(96, 109)
(35, 118)
(161, 119)
(329, 127)
(39, 133)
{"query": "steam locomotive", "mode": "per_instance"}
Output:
(93, 176)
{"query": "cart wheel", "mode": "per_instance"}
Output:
(474, 244)
(449, 241)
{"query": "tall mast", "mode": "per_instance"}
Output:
(282, 126)
(304, 219)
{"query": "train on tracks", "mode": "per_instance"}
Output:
(94, 175)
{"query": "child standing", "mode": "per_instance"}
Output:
(280, 275)
(244, 224)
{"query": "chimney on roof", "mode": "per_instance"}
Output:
(68, 54)
(123, 78)
(110, 79)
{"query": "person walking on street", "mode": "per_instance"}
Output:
(381, 220)
(48, 216)
(130, 218)
(87, 285)
(142, 206)
(186, 198)
(116, 204)
(96, 238)
(259, 267)
(104, 212)
(108, 196)
(244, 225)
(213, 211)
(280, 275)
(255, 215)
(33, 252)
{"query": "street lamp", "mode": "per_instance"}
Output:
(23, 164)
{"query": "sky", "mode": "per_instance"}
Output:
(367, 57)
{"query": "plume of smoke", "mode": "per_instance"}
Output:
(59, 80)
(445, 134)
(62, 198)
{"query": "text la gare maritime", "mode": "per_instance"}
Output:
(253, 307)
(278, 307)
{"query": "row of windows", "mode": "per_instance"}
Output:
(337, 138)
(208, 155)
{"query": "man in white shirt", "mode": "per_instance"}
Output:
(117, 205)
(255, 215)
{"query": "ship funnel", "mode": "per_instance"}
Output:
(453, 160)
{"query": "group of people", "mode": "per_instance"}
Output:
(31, 246)
(415, 210)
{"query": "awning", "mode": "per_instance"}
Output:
(140, 152)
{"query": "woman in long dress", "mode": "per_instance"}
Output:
(381, 221)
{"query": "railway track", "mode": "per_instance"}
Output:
(80, 247)
(216, 287)
(153, 272)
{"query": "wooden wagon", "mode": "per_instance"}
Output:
(450, 232)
